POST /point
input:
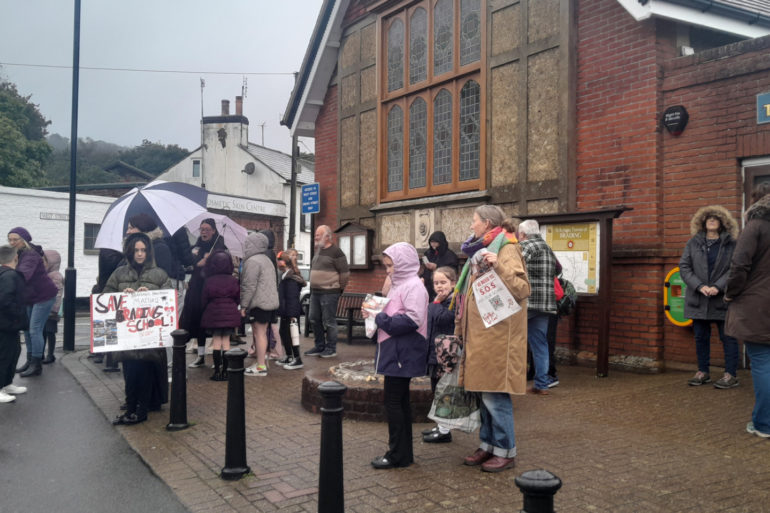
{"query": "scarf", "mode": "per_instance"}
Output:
(493, 240)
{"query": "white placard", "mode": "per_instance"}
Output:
(493, 299)
(140, 320)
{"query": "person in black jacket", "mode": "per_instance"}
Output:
(438, 255)
(289, 309)
(13, 318)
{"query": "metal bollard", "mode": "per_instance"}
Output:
(235, 438)
(331, 496)
(178, 410)
(538, 487)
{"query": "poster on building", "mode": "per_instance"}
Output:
(138, 320)
(493, 299)
(576, 246)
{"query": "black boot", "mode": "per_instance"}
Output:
(217, 354)
(51, 342)
(35, 368)
(24, 367)
(224, 367)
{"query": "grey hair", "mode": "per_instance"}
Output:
(7, 254)
(491, 213)
(326, 231)
(529, 227)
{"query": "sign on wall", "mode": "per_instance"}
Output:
(763, 108)
(139, 320)
(311, 198)
(576, 246)
(674, 289)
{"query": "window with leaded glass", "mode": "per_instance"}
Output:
(418, 132)
(443, 36)
(470, 31)
(432, 99)
(418, 46)
(395, 149)
(396, 55)
(470, 128)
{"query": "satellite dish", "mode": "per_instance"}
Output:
(249, 169)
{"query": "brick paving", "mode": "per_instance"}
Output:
(626, 443)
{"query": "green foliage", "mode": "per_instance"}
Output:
(153, 157)
(23, 148)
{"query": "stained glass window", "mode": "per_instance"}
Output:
(443, 36)
(418, 46)
(395, 149)
(470, 31)
(418, 133)
(470, 129)
(442, 138)
(396, 55)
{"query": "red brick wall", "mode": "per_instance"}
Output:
(326, 149)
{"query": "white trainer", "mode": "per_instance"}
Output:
(14, 390)
(6, 398)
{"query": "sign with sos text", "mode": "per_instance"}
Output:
(493, 299)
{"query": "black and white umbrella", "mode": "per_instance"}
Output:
(170, 204)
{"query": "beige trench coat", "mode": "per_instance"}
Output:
(496, 357)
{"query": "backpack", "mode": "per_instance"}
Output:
(566, 305)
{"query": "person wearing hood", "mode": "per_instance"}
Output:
(144, 371)
(402, 349)
(39, 296)
(190, 319)
(273, 330)
(220, 297)
(53, 262)
(703, 267)
(748, 295)
(259, 295)
(437, 255)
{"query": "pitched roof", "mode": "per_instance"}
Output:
(745, 18)
(281, 163)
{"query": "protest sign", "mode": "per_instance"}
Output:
(493, 299)
(138, 320)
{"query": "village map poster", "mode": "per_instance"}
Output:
(136, 320)
(577, 248)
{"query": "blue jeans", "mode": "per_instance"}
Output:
(496, 432)
(323, 313)
(702, 330)
(38, 314)
(537, 338)
(760, 374)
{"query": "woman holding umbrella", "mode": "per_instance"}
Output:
(190, 319)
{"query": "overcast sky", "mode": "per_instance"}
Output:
(204, 37)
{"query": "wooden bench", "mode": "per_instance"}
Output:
(348, 313)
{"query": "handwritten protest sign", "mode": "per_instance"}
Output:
(494, 301)
(140, 320)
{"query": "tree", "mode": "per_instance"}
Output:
(23, 148)
(153, 157)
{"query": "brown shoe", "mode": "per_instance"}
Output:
(498, 464)
(539, 391)
(477, 458)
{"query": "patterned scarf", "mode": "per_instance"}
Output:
(493, 240)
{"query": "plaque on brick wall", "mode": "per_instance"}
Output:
(675, 119)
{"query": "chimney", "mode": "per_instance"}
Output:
(239, 105)
(225, 107)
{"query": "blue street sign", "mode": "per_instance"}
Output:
(311, 198)
(763, 108)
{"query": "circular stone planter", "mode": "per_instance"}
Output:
(363, 400)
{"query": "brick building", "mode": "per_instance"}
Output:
(423, 110)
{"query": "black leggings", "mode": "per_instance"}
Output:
(399, 412)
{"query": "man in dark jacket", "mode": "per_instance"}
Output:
(13, 317)
(748, 292)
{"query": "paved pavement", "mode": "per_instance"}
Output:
(625, 443)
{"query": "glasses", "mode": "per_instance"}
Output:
(14, 240)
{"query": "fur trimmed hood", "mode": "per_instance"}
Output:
(760, 209)
(729, 224)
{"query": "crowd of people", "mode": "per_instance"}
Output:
(429, 300)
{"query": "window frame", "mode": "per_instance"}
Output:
(427, 89)
(92, 250)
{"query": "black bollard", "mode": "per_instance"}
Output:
(235, 438)
(331, 497)
(538, 487)
(178, 410)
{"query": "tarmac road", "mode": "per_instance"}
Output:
(58, 453)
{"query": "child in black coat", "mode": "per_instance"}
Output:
(13, 317)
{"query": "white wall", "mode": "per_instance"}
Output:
(24, 207)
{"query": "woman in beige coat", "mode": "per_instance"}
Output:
(495, 357)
